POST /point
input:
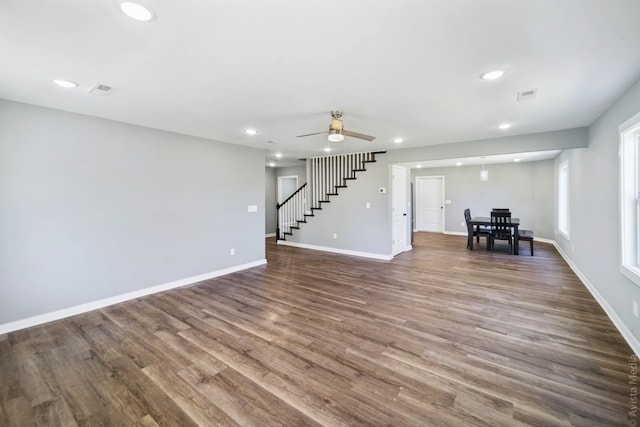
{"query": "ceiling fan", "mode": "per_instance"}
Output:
(337, 132)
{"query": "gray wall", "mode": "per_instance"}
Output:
(526, 188)
(91, 208)
(270, 196)
(299, 171)
(358, 228)
(594, 209)
(544, 199)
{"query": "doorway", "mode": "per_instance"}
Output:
(430, 203)
(287, 185)
(399, 209)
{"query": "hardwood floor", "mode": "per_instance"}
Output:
(438, 336)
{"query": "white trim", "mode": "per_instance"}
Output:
(613, 316)
(543, 240)
(408, 248)
(336, 250)
(628, 194)
(269, 235)
(94, 305)
(453, 233)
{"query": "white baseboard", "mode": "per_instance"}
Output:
(94, 305)
(455, 233)
(336, 250)
(617, 321)
(270, 235)
(543, 240)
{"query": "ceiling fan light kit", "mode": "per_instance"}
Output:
(335, 136)
(337, 132)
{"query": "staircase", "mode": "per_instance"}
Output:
(326, 175)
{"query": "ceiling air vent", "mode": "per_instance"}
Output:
(526, 95)
(100, 89)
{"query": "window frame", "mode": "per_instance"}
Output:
(563, 224)
(629, 196)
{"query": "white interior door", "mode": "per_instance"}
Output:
(399, 208)
(287, 185)
(429, 203)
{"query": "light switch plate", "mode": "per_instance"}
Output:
(252, 208)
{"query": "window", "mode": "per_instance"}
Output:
(563, 199)
(630, 197)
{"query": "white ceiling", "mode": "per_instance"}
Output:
(407, 68)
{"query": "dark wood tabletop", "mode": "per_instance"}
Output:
(485, 220)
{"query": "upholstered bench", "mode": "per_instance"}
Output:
(526, 235)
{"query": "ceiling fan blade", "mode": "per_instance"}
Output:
(309, 134)
(358, 135)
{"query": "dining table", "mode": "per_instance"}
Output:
(485, 220)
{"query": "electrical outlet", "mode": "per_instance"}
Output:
(368, 205)
(462, 224)
(232, 251)
(635, 308)
(335, 235)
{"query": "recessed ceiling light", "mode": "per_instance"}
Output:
(504, 126)
(419, 166)
(458, 163)
(137, 11)
(65, 83)
(251, 132)
(279, 155)
(272, 164)
(327, 149)
(516, 160)
(397, 140)
(492, 75)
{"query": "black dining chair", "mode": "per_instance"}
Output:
(500, 210)
(501, 229)
(527, 236)
(475, 232)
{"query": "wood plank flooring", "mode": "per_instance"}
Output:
(438, 336)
